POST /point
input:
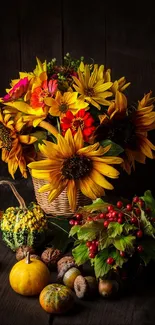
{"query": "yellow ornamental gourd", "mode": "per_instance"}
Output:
(29, 276)
(23, 225)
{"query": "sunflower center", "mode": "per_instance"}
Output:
(63, 108)
(76, 123)
(76, 167)
(5, 138)
(89, 92)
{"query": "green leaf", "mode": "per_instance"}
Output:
(147, 226)
(59, 229)
(115, 149)
(150, 201)
(97, 205)
(127, 228)
(100, 265)
(114, 229)
(40, 135)
(74, 230)
(148, 253)
(119, 260)
(89, 231)
(105, 241)
(125, 243)
(80, 254)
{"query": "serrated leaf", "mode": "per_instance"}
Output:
(148, 253)
(125, 243)
(114, 229)
(89, 231)
(80, 254)
(115, 149)
(150, 201)
(74, 230)
(148, 229)
(119, 260)
(97, 205)
(100, 266)
(105, 241)
(127, 228)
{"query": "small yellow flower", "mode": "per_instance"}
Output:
(92, 86)
(64, 102)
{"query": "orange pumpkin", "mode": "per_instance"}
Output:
(29, 276)
(56, 298)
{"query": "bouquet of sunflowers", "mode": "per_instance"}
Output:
(69, 124)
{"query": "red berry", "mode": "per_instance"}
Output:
(135, 199)
(140, 249)
(138, 211)
(111, 219)
(91, 255)
(89, 219)
(122, 254)
(120, 220)
(110, 260)
(93, 248)
(88, 243)
(110, 208)
(114, 214)
(106, 223)
(94, 242)
(102, 215)
(76, 222)
(78, 216)
(97, 242)
(119, 204)
(129, 207)
(134, 220)
(148, 210)
(120, 215)
(72, 222)
(139, 234)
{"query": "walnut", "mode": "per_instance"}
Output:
(50, 256)
(22, 251)
(65, 262)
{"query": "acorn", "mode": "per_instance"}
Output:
(35, 256)
(21, 252)
(50, 256)
(70, 276)
(85, 286)
(108, 288)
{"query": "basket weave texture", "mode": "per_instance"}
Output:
(60, 206)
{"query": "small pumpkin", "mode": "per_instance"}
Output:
(56, 298)
(29, 276)
(23, 225)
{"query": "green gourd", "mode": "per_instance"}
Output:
(23, 225)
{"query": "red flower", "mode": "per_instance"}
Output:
(81, 119)
(47, 89)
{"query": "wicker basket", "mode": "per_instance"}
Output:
(60, 206)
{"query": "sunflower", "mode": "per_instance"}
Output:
(92, 87)
(64, 102)
(129, 128)
(70, 165)
(13, 144)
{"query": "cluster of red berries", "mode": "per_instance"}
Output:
(93, 248)
(77, 219)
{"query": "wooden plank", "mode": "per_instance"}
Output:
(40, 32)
(9, 53)
(130, 46)
(84, 30)
(130, 52)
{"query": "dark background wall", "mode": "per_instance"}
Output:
(117, 34)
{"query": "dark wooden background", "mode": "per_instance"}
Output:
(118, 34)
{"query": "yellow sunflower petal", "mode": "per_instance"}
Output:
(86, 188)
(100, 180)
(46, 164)
(27, 139)
(72, 194)
(105, 169)
(41, 174)
(56, 192)
(78, 140)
